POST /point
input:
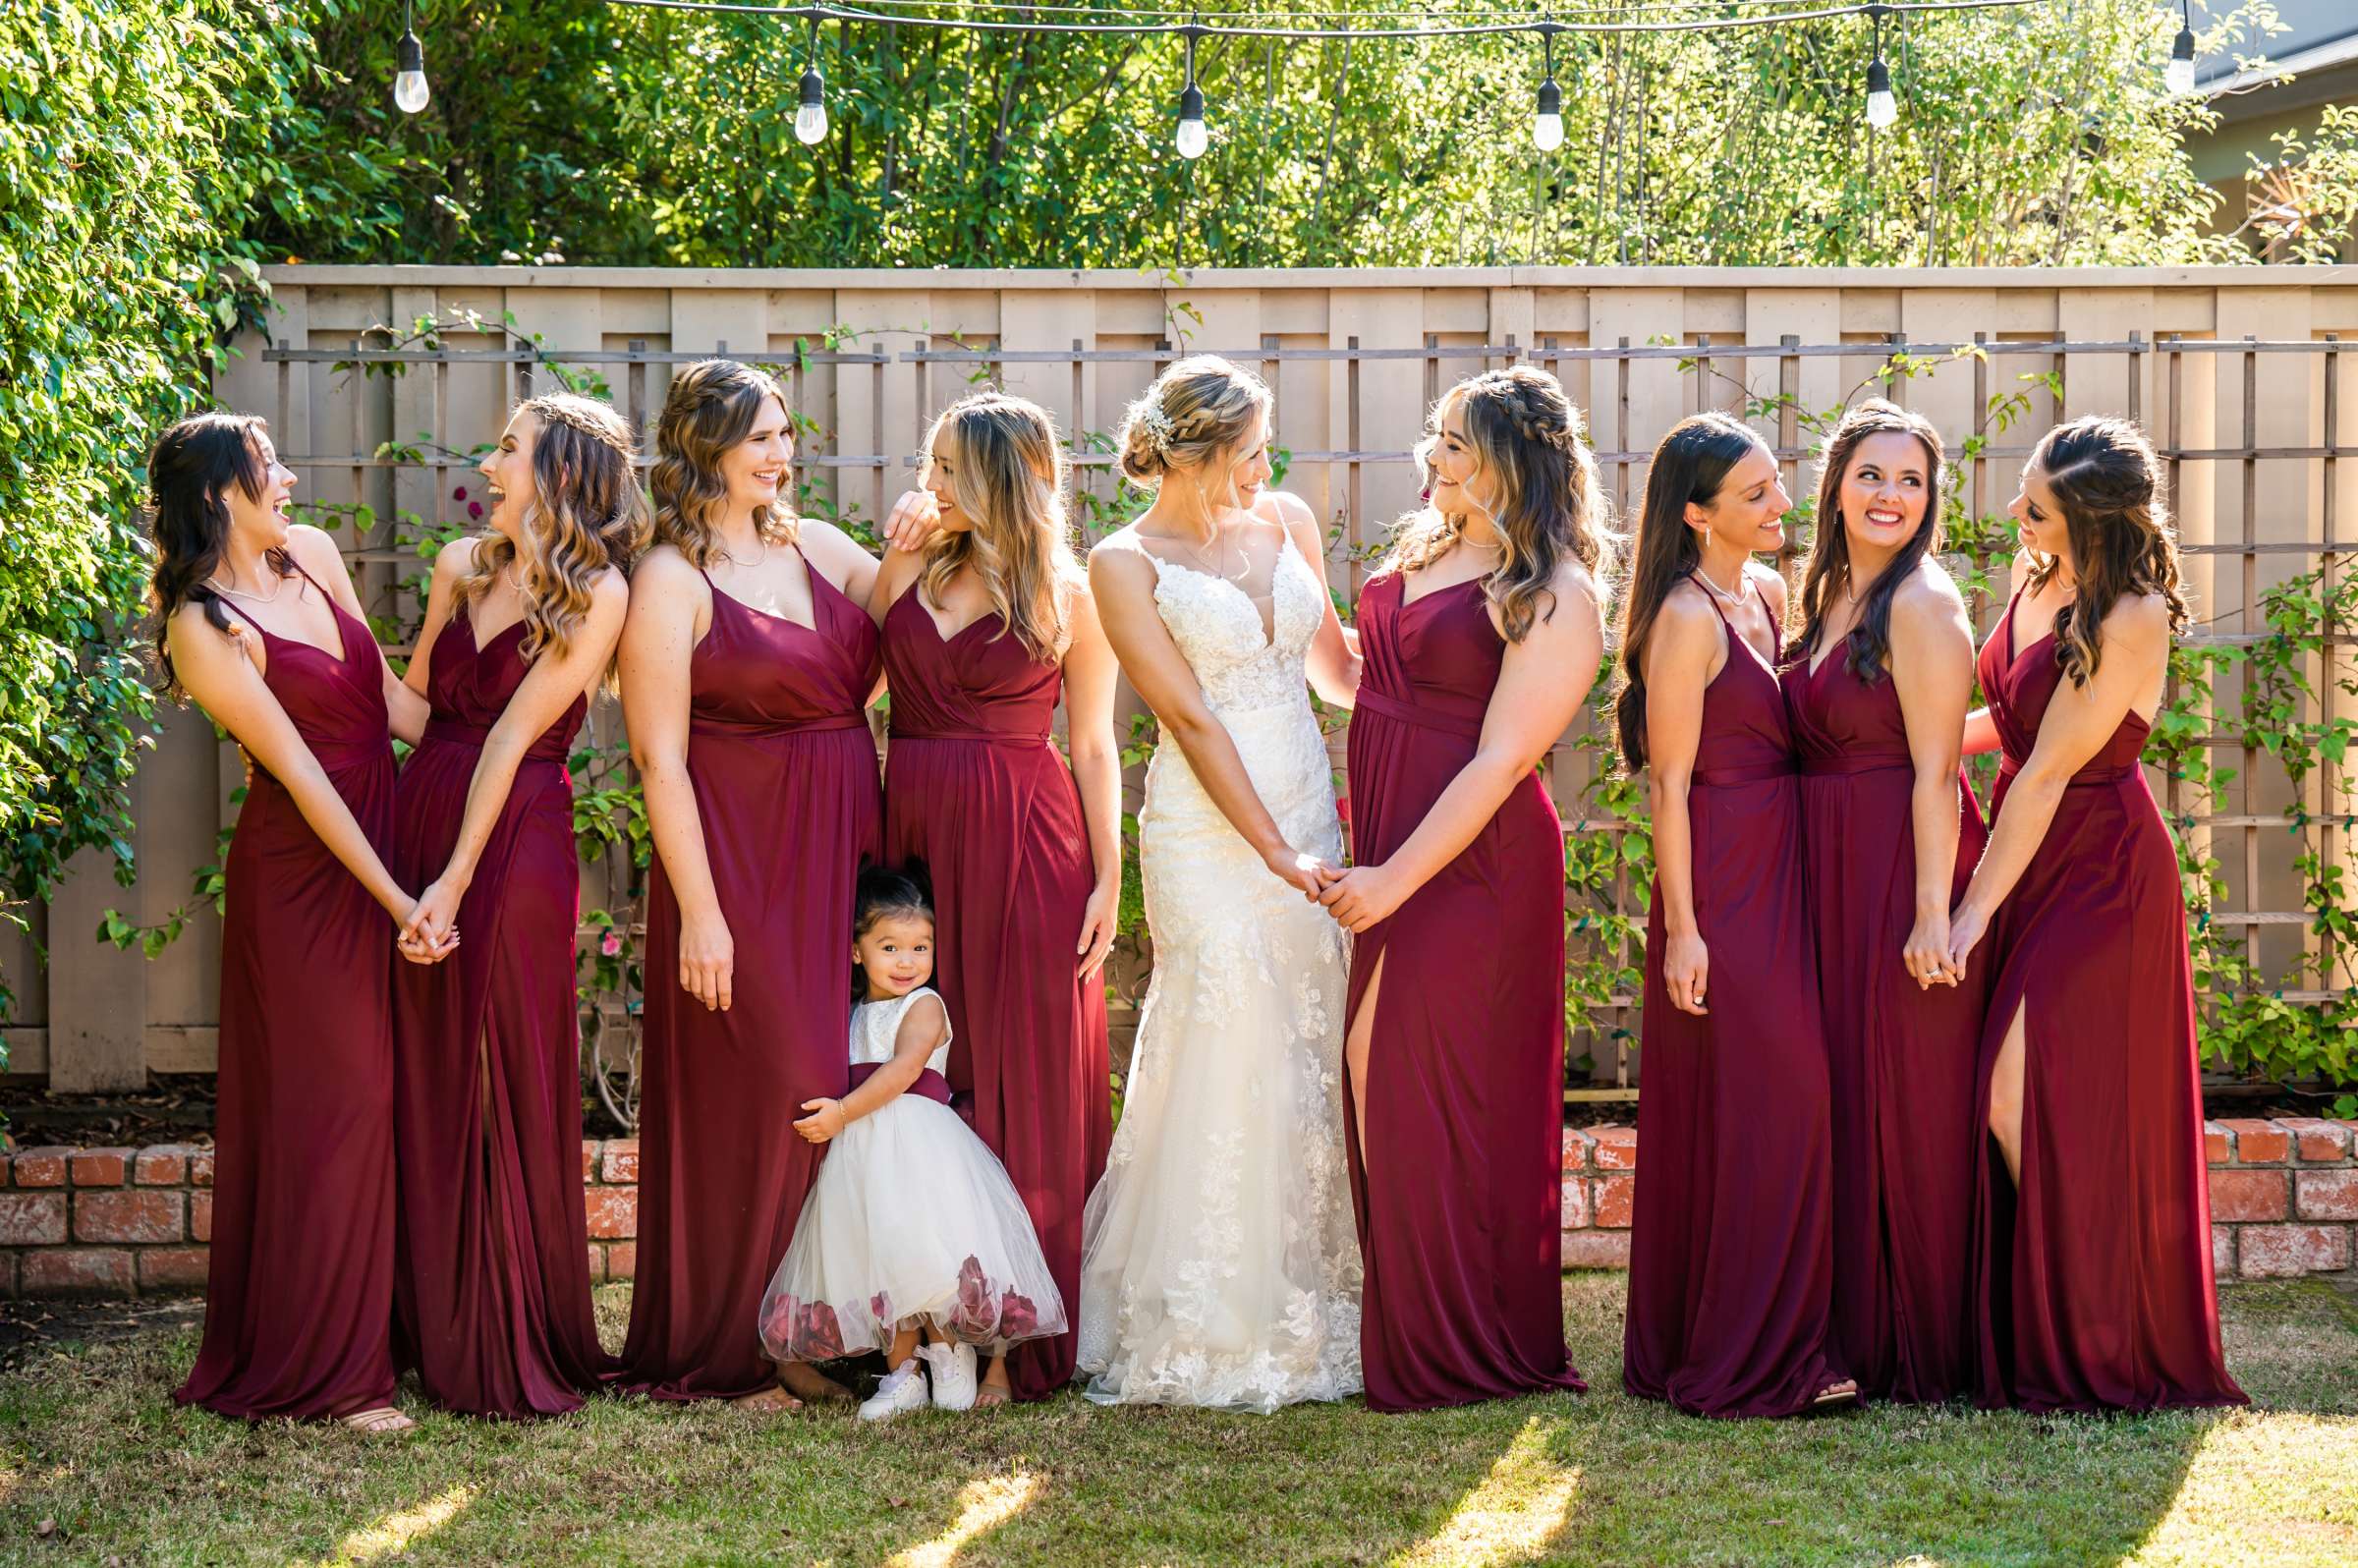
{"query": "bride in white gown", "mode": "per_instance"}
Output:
(1221, 1264)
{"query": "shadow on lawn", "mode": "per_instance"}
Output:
(88, 1441)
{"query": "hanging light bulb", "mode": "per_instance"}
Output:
(1193, 136)
(409, 92)
(811, 113)
(2179, 76)
(1882, 109)
(1547, 124)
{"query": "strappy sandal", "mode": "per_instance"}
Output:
(378, 1421)
(1835, 1395)
(990, 1395)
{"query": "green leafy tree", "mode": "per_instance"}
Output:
(133, 135)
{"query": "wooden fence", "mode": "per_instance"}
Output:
(2240, 374)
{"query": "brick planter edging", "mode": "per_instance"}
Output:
(137, 1221)
(2284, 1196)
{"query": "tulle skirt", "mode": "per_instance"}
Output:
(912, 1217)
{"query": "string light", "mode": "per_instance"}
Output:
(409, 92)
(1548, 123)
(1882, 109)
(2179, 77)
(811, 114)
(1193, 137)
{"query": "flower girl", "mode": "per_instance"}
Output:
(913, 1231)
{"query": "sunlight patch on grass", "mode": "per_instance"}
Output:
(1514, 1514)
(2282, 1489)
(399, 1532)
(983, 1506)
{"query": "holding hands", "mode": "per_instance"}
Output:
(431, 932)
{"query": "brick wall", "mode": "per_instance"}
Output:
(2283, 1196)
(136, 1221)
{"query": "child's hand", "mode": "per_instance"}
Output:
(824, 1122)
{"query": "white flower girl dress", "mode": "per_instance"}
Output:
(912, 1217)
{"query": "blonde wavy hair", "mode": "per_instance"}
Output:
(1526, 435)
(1007, 473)
(587, 514)
(1198, 410)
(711, 408)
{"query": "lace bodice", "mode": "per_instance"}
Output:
(1221, 1264)
(1217, 628)
(876, 1024)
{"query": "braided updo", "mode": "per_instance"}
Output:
(1526, 436)
(1198, 410)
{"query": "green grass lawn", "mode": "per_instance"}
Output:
(92, 1449)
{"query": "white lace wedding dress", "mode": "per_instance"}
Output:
(1220, 1266)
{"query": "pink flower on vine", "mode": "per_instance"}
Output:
(475, 509)
(610, 944)
(459, 495)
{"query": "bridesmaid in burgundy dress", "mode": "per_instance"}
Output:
(1880, 680)
(493, 1292)
(1731, 1252)
(2092, 1271)
(982, 632)
(747, 661)
(1479, 638)
(299, 1299)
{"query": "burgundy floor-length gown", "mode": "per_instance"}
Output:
(974, 786)
(1731, 1247)
(1900, 1058)
(2093, 1284)
(493, 1293)
(787, 790)
(299, 1290)
(1459, 1189)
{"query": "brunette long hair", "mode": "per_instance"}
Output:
(188, 475)
(1868, 641)
(1690, 464)
(711, 408)
(2104, 475)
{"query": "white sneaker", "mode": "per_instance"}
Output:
(902, 1390)
(953, 1368)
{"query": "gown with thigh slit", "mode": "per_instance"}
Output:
(1900, 1057)
(789, 797)
(974, 788)
(493, 1292)
(1459, 1187)
(299, 1291)
(1731, 1245)
(2093, 1283)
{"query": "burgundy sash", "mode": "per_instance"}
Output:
(929, 1083)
